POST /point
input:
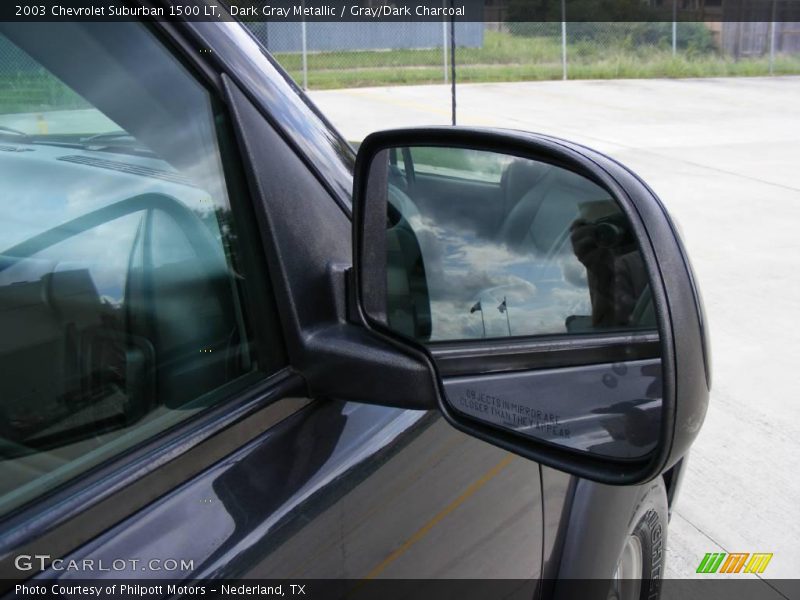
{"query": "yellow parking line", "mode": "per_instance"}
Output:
(422, 531)
(404, 485)
(424, 107)
(404, 103)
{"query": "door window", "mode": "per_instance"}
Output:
(120, 281)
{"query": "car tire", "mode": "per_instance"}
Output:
(640, 567)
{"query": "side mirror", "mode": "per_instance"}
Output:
(545, 289)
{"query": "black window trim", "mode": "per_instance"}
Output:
(257, 294)
(191, 36)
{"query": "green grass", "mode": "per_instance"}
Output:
(498, 48)
(505, 57)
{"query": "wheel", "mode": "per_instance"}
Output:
(640, 566)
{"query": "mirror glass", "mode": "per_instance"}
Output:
(488, 246)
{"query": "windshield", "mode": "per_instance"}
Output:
(58, 114)
(42, 109)
(37, 103)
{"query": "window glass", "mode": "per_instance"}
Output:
(119, 278)
(490, 245)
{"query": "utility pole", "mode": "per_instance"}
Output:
(564, 40)
(453, 61)
(444, 48)
(305, 49)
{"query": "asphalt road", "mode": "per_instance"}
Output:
(724, 155)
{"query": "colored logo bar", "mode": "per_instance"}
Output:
(735, 562)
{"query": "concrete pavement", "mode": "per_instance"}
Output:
(724, 155)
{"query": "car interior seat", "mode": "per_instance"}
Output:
(518, 178)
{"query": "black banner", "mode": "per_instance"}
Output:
(709, 588)
(376, 11)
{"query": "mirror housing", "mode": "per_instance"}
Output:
(682, 338)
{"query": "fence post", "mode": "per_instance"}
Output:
(444, 48)
(563, 40)
(772, 41)
(674, 27)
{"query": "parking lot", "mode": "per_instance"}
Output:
(724, 155)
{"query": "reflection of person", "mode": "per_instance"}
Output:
(615, 270)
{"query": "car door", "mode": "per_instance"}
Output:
(157, 422)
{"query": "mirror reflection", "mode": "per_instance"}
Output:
(488, 245)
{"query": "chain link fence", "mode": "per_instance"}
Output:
(324, 55)
(331, 55)
(14, 61)
(27, 86)
(341, 55)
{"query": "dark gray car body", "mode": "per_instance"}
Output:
(279, 486)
